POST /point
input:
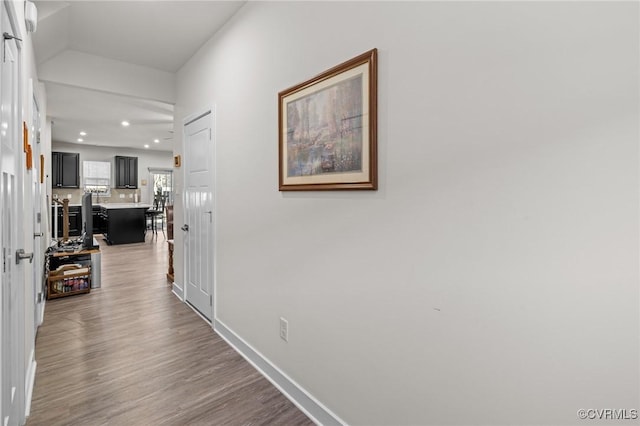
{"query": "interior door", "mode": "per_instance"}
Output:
(39, 244)
(199, 214)
(11, 235)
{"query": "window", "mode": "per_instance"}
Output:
(161, 183)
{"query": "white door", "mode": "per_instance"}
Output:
(199, 213)
(39, 244)
(11, 235)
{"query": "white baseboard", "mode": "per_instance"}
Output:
(41, 314)
(30, 380)
(317, 412)
(178, 291)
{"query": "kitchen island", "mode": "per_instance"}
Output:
(123, 223)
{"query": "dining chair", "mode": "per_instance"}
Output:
(155, 214)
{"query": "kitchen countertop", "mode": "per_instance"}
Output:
(114, 205)
(110, 206)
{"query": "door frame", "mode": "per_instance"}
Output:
(39, 243)
(19, 321)
(212, 181)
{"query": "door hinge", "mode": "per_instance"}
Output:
(4, 260)
(211, 300)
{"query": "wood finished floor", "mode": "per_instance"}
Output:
(130, 353)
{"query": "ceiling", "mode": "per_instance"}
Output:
(103, 62)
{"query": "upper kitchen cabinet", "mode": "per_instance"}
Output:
(65, 170)
(126, 172)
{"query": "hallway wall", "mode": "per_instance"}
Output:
(31, 89)
(493, 277)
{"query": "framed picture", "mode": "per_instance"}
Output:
(328, 129)
(41, 168)
(25, 136)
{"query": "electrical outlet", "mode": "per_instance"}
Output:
(284, 329)
(121, 195)
(55, 196)
(130, 195)
(68, 196)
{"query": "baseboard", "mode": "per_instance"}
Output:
(41, 307)
(30, 380)
(317, 412)
(178, 291)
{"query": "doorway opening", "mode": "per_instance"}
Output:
(161, 184)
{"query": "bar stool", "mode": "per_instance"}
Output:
(152, 215)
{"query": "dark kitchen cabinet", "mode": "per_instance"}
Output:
(75, 221)
(124, 225)
(96, 219)
(104, 220)
(126, 172)
(65, 167)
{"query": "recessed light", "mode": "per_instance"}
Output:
(156, 140)
(146, 146)
(83, 133)
(80, 140)
(125, 123)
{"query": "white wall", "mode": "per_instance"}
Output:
(493, 277)
(30, 88)
(146, 159)
(80, 69)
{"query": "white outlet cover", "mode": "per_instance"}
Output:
(121, 195)
(284, 329)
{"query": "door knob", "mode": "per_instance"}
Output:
(185, 227)
(37, 234)
(20, 255)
